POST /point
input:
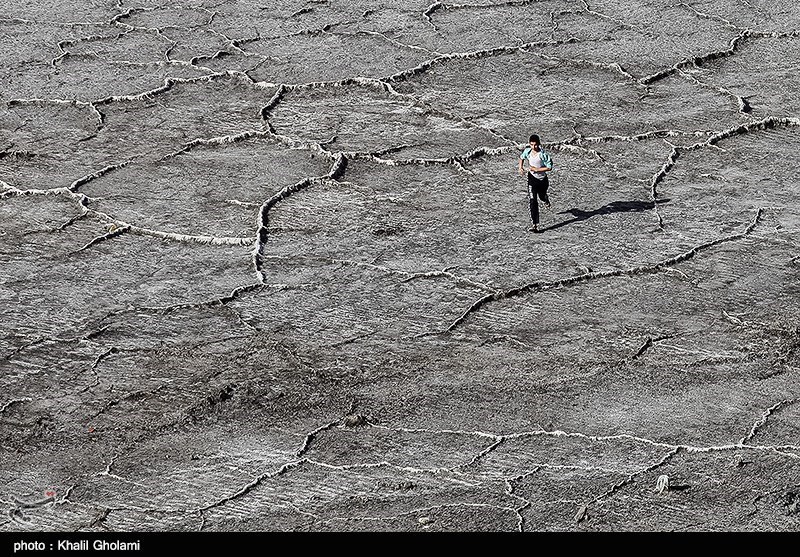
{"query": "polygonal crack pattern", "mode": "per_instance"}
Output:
(267, 267)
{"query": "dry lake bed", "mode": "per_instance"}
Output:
(264, 265)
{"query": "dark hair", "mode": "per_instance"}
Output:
(535, 138)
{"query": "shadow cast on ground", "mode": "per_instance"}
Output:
(607, 209)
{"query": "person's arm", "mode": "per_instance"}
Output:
(522, 158)
(547, 161)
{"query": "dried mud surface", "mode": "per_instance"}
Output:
(265, 265)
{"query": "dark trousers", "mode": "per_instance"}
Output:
(537, 188)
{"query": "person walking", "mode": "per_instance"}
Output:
(539, 164)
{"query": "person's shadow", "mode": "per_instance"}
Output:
(607, 209)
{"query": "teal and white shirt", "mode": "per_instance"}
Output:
(542, 158)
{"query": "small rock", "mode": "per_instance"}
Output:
(662, 484)
(582, 514)
(355, 420)
(406, 486)
(790, 500)
(739, 462)
(425, 520)
(388, 230)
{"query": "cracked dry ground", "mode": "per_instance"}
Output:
(265, 265)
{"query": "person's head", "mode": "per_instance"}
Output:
(535, 142)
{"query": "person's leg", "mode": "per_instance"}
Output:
(534, 204)
(544, 183)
